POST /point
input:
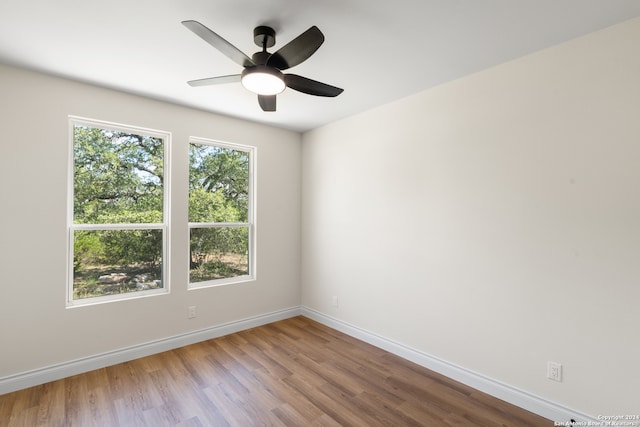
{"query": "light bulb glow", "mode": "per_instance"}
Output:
(263, 80)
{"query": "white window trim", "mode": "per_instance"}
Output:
(165, 225)
(251, 217)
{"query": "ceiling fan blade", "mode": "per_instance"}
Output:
(267, 102)
(215, 80)
(297, 50)
(311, 87)
(219, 43)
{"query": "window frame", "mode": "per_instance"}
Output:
(164, 226)
(252, 151)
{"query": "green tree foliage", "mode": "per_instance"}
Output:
(219, 177)
(218, 193)
(119, 179)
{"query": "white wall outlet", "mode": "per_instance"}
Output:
(554, 371)
(191, 312)
(334, 301)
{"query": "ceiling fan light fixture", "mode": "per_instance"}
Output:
(263, 80)
(262, 72)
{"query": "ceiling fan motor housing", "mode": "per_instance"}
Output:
(260, 58)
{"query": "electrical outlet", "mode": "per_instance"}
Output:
(334, 301)
(554, 371)
(191, 312)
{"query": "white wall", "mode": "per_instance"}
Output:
(493, 222)
(36, 330)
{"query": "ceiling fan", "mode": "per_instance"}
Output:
(262, 72)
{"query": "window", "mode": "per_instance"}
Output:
(118, 212)
(221, 224)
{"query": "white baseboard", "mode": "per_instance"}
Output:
(86, 364)
(559, 414)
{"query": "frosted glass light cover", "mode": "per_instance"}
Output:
(263, 81)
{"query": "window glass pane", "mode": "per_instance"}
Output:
(108, 262)
(218, 184)
(218, 253)
(118, 177)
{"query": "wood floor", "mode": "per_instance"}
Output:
(295, 372)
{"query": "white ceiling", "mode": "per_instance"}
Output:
(378, 51)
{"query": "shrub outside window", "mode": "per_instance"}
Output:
(118, 212)
(221, 213)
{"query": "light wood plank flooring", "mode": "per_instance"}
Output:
(294, 372)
